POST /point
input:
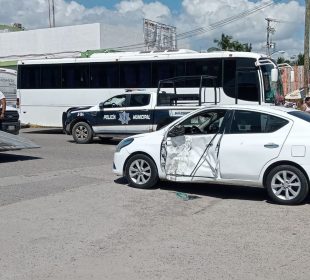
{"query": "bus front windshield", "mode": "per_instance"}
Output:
(273, 90)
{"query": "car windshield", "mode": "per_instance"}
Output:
(273, 90)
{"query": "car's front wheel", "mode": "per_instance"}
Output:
(141, 172)
(82, 133)
(287, 184)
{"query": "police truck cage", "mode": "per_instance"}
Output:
(175, 99)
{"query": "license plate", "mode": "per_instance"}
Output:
(11, 127)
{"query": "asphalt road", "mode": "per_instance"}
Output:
(64, 215)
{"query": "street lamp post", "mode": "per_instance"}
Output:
(280, 52)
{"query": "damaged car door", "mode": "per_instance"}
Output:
(189, 150)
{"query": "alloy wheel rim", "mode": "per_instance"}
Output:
(285, 185)
(81, 132)
(140, 171)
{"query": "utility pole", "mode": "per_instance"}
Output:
(306, 47)
(51, 13)
(270, 30)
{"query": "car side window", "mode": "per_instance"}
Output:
(206, 122)
(139, 100)
(255, 122)
(115, 101)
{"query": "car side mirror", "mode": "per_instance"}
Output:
(101, 105)
(177, 130)
(274, 75)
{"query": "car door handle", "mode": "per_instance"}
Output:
(271, 145)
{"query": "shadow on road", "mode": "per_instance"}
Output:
(212, 190)
(43, 131)
(112, 142)
(12, 158)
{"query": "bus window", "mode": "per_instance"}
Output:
(29, 76)
(135, 75)
(104, 75)
(269, 87)
(248, 88)
(211, 67)
(50, 76)
(75, 76)
(167, 69)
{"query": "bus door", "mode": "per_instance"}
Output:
(139, 113)
(112, 116)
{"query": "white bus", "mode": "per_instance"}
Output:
(8, 80)
(47, 88)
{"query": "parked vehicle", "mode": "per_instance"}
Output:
(135, 112)
(8, 82)
(11, 122)
(48, 87)
(237, 145)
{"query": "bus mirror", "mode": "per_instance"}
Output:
(292, 76)
(274, 75)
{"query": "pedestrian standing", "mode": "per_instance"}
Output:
(3, 105)
(306, 106)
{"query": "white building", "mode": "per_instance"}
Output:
(65, 41)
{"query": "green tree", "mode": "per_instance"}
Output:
(281, 60)
(300, 59)
(226, 43)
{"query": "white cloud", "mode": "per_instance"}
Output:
(251, 29)
(195, 13)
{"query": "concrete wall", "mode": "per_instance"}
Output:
(50, 40)
(65, 41)
(113, 36)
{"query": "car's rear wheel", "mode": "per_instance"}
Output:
(82, 133)
(141, 172)
(287, 184)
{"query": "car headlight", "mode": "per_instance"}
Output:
(124, 143)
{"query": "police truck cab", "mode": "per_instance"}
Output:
(133, 112)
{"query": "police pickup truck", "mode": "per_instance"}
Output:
(133, 112)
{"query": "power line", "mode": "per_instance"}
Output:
(211, 27)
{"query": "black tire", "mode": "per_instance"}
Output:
(136, 181)
(286, 184)
(82, 133)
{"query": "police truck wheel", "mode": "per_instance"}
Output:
(286, 184)
(82, 133)
(141, 172)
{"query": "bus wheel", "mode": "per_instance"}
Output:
(82, 133)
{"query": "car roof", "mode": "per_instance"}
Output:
(262, 108)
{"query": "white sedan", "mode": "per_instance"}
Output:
(237, 145)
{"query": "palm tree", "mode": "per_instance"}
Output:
(226, 44)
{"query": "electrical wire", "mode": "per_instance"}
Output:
(213, 26)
